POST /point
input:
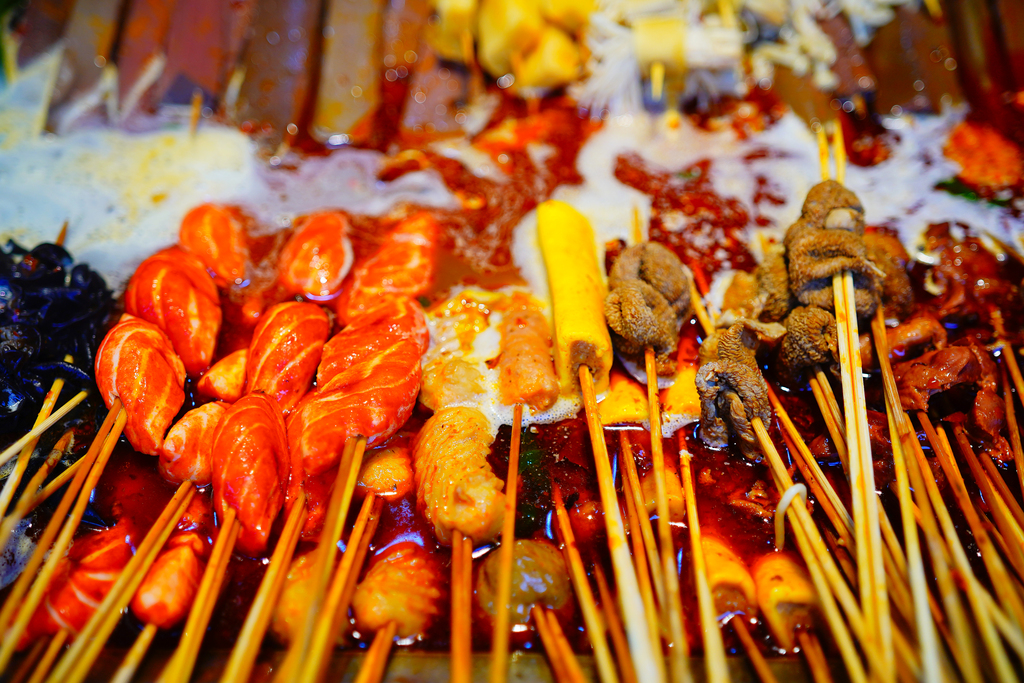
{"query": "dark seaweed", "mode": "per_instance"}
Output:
(50, 308)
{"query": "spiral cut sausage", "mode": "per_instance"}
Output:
(136, 363)
(366, 384)
(455, 486)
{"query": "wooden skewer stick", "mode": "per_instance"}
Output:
(196, 111)
(41, 427)
(462, 591)
(673, 606)
(615, 631)
(915, 564)
(130, 664)
(867, 531)
(14, 478)
(179, 669)
(337, 513)
(816, 661)
(74, 666)
(1011, 424)
(28, 664)
(372, 669)
(645, 552)
(79, 492)
(757, 660)
(557, 646)
(325, 632)
(826, 400)
(62, 235)
(247, 647)
(49, 655)
(714, 648)
(506, 556)
(1001, 583)
(584, 595)
(645, 655)
(29, 495)
(362, 549)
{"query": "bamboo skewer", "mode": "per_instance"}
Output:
(49, 655)
(678, 647)
(816, 661)
(81, 487)
(462, 591)
(870, 567)
(53, 486)
(564, 662)
(130, 664)
(179, 668)
(372, 669)
(247, 646)
(714, 648)
(757, 660)
(75, 664)
(14, 478)
(584, 595)
(28, 497)
(615, 630)
(933, 502)
(28, 664)
(645, 553)
(915, 564)
(337, 513)
(325, 631)
(500, 638)
(645, 656)
(40, 428)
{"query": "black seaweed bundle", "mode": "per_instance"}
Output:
(49, 308)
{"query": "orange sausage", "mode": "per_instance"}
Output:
(525, 366)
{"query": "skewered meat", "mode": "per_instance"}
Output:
(539, 577)
(659, 267)
(816, 255)
(785, 595)
(731, 583)
(387, 471)
(908, 336)
(640, 317)
(810, 340)
(187, 452)
(317, 256)
(251, 468)
(833, 206)
(165, 596)
(404, 585)
(366, 384)
(403, 267)
(829, 239)
(82, 580)
(225, 380)
(448, 381)
(216, 236)
(896, 292)
(919, 379)
(577, 295)
(285, 351)
(773, 299)
(731, 388)
(650, 297)
(525, 366)
(455, 486)
(172, 290)
(137, 363)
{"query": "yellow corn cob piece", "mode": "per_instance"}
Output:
(554, 62)
(505, 27)
(577, 295)
(731, 583)
(785, 595)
